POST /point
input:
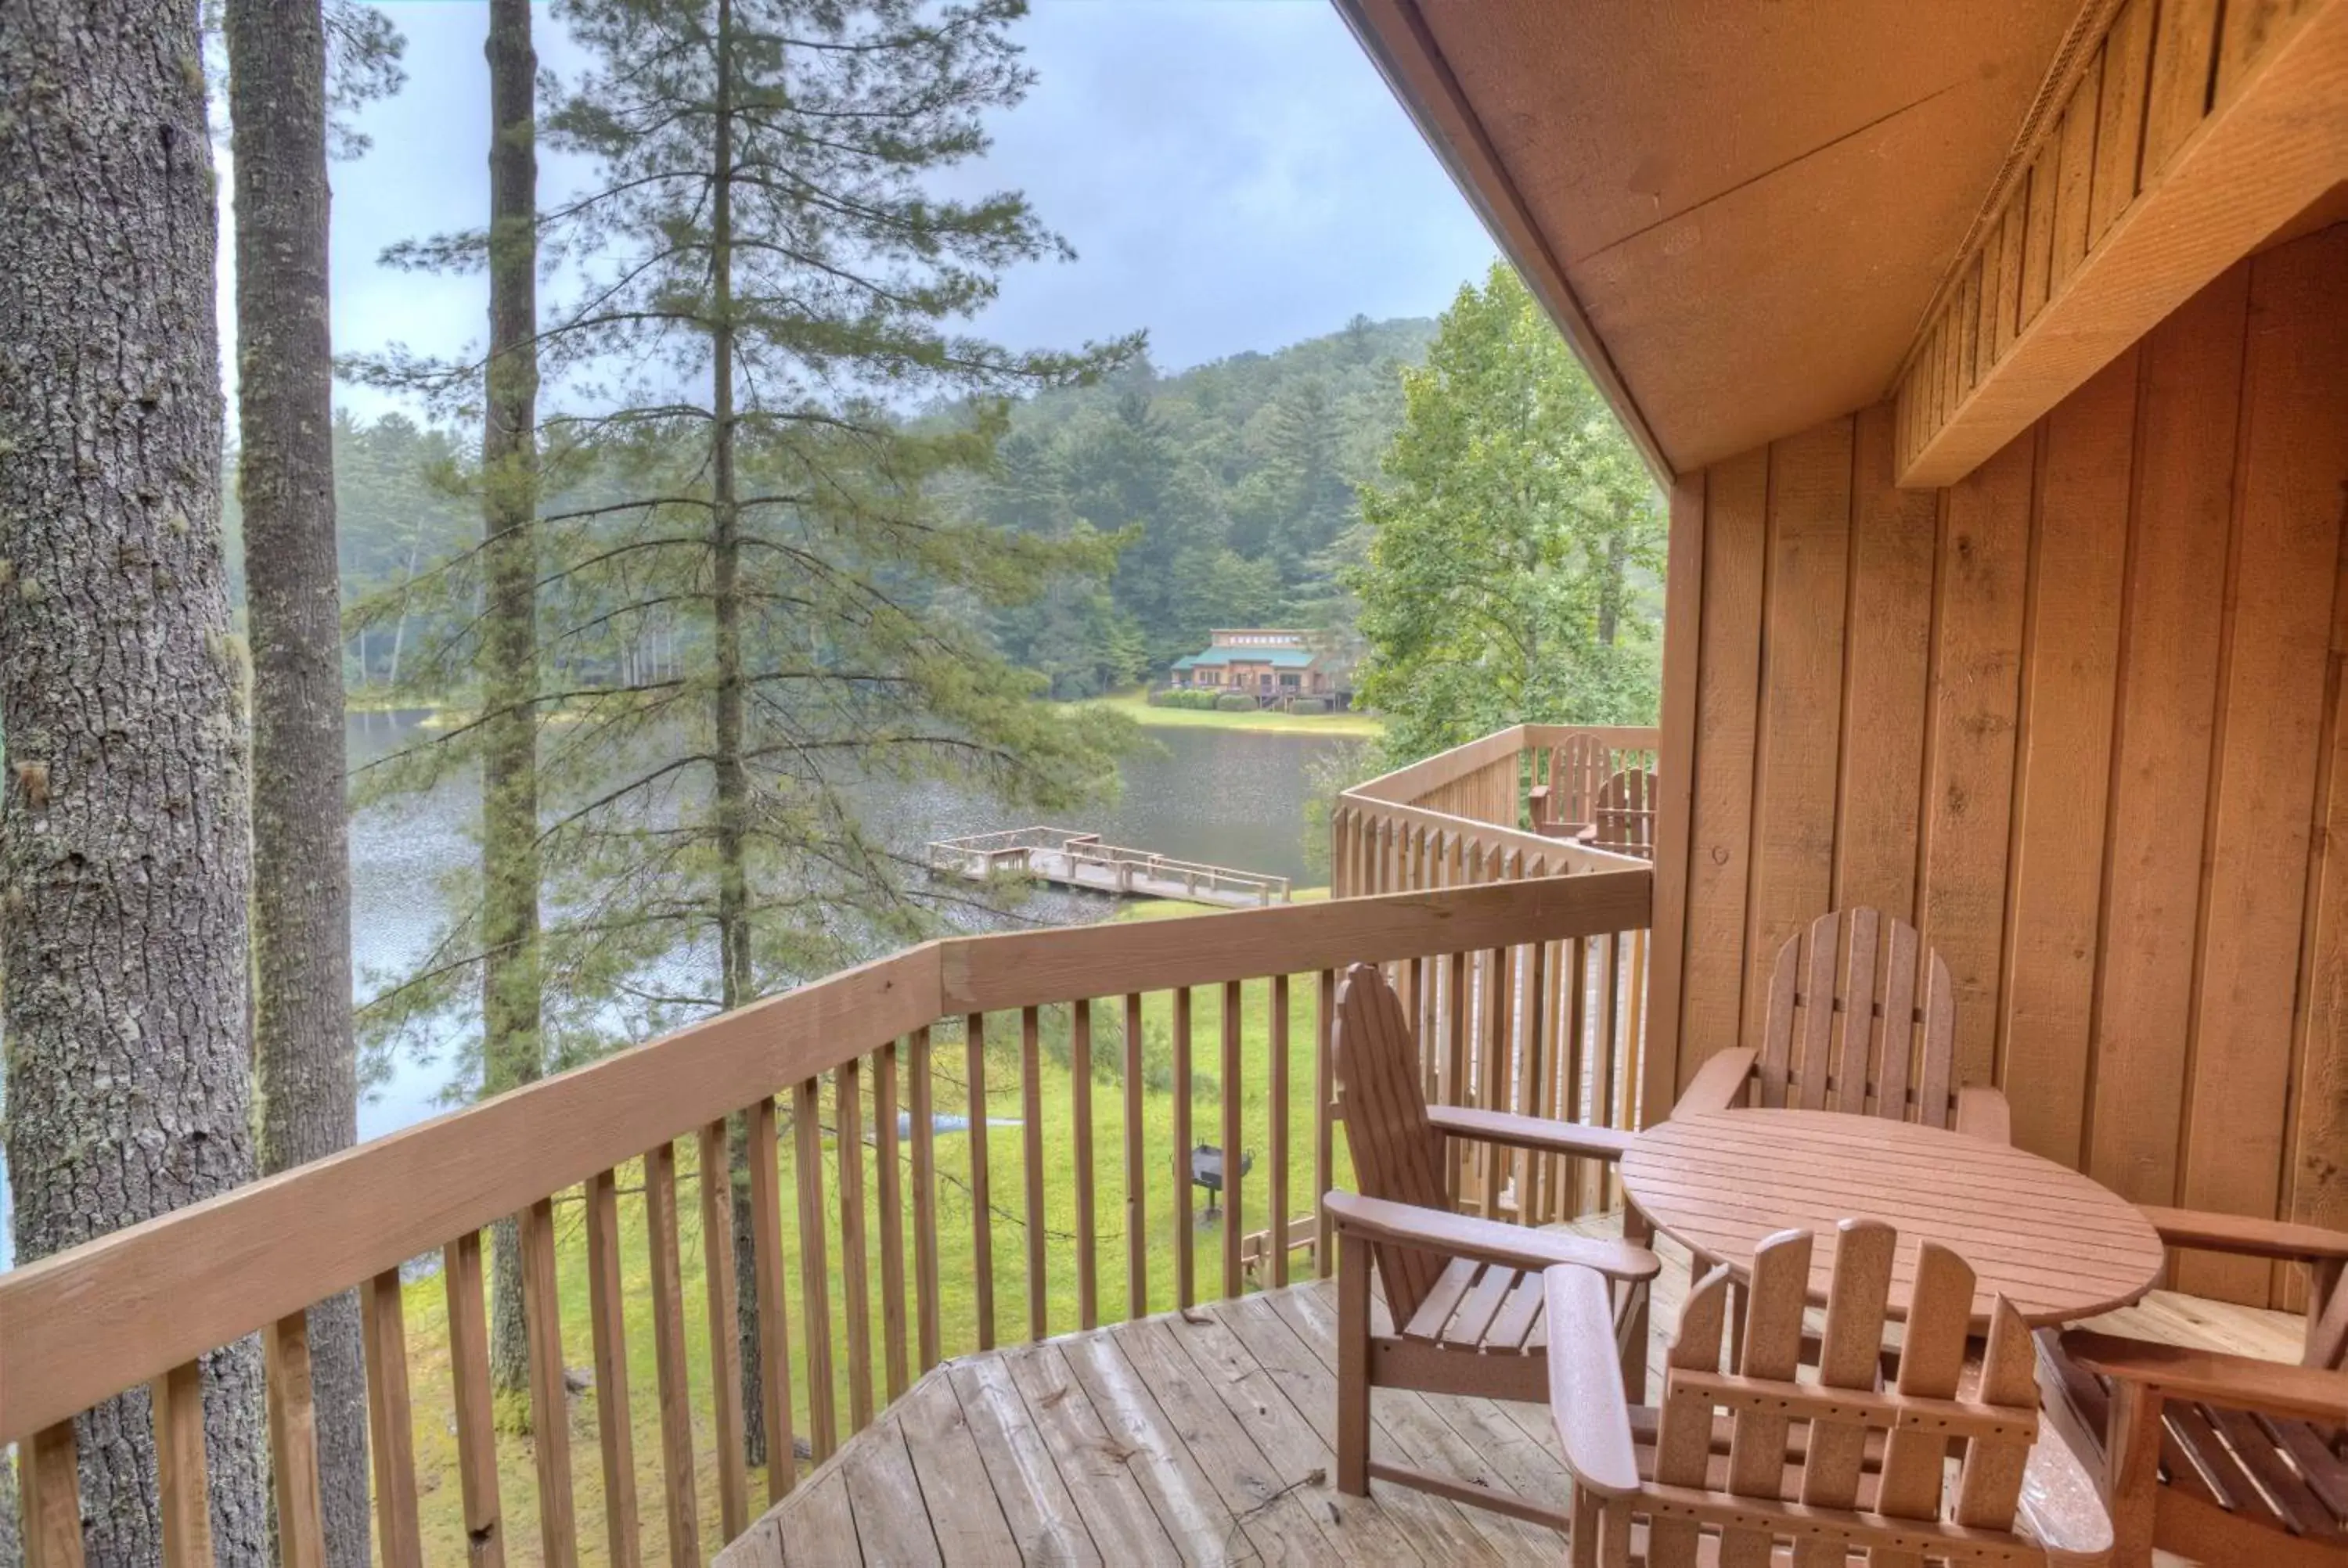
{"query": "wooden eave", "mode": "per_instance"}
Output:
(1737, 214)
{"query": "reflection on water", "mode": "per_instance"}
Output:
(1224, 796)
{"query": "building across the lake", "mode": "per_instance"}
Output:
(1276, 666)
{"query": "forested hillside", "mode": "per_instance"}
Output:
(1233, 483)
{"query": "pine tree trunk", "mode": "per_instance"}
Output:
(305, 1066)
(124, 849)
(737, 984)
(1609, 589)
(511, 1054)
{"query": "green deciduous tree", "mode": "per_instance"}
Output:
(1509, 541)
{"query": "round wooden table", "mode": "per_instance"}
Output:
(2059, 1246)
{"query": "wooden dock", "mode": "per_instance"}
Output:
(1063, 857)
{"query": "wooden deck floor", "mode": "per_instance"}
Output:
(1204, 1437)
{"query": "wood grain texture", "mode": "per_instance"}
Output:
(2160, 779)
(2069, 684)
(1727, 690)
(1799, 732)
(1976, 697)
(294, 1443)
(1887, 662)
(469, 1368)
(1675, 794)
(2287, 534)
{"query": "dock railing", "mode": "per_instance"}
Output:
(884, 1234)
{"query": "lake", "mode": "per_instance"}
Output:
(1233, 797)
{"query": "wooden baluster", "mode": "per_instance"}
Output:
(1532, 1074)
(607, 1320)
(1458, 1089)
(982, 1210)
(715, 1150)
(1580, 1173)
(1634, 1035)
(49, 1498)
(855, 1270)
(773, 1319)
(391, 1429)
(1324, 1124)
(925, 1200)
(477, 1434)
(1185, 1242)
(893, 1217)
(668, 1357)
(1277, 1177)
(1031, 1139)
(1080, 1109)
(184, 1490)
(1610, 1056)
(1136, 1211)
(550, 1400)
(1234, 1222)
(1493, 1071)
(815, 1275)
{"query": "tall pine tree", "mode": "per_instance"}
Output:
(773, 285)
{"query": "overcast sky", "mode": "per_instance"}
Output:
(1232, 173)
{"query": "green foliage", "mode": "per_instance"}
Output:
(757, 614)
(1512, 547)
(1231, 485)
(1198, 702)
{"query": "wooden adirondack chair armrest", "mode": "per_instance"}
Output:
(1486, 1241)
(1585, 1382)
(1983, 1113)
(1534, 1133)
(1719, 1083)
(2199, 1231)
(2237, 1382)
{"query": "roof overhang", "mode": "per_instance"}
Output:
(1738, 214)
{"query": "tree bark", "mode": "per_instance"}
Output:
(1611, 587)
(511, 1054)
(736, 981)
(124, 848)
(305, 1062)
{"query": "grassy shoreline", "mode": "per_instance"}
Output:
(1345, 726)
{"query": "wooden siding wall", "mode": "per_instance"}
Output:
(2080, 717)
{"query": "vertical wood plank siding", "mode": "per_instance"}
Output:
(2078, 716)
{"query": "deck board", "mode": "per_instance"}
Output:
(1204, 1437)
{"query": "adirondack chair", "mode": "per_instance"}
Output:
(1566, 804)
(1763, 1468)
(1860, 967)
(1463, 1294)
(2219, 1458)
(1623, 818)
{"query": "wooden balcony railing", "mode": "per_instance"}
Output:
(1475, 814)
(885, 1235)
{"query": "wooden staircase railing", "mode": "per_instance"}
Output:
(883, 1237)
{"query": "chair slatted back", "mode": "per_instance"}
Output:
(1576, 771)
(1624, 816)
(1846, 1029)
(1397, 1153)
(1902, 1515)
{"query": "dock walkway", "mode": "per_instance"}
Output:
(1065, 857)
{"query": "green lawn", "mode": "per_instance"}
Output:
(957, 1239)
(1357, 726)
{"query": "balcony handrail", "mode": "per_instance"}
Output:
(81, 1326)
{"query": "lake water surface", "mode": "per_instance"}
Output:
(1230, 797)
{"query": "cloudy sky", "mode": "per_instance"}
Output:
(1232, 173)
